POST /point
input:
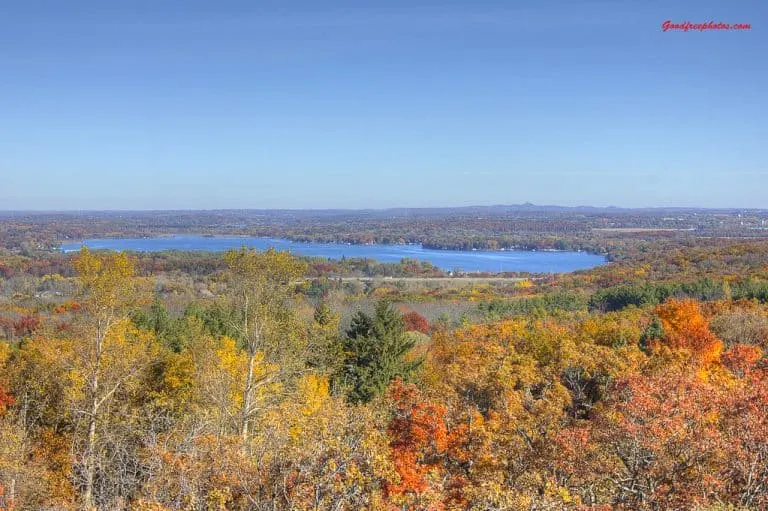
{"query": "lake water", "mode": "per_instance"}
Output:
(488, 261)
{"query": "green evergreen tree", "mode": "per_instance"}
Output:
(157, 320)
(327, 350)
(375, 352)
(217, 319)
(653, 332)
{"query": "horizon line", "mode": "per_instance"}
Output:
(384, 209)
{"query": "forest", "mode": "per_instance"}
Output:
(388, 255)
(525, 227)
(261, 381)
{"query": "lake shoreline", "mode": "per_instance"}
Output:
(451, 261)
(344, 243)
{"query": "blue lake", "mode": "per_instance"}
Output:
(488, 261)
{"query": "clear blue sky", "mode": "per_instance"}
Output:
(147, 104)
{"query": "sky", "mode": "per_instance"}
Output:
(155, 104)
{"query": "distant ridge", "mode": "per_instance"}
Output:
(497, 209)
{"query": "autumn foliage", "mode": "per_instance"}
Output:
(686, 328)
(415, 322)
(25, 325)
(421, 446)
(130, 395)
(6, 400)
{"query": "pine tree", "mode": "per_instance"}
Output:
(327, 352)
(375, 351)
(653, 332)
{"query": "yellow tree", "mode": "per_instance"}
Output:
(315, 451)
(221, 370)
(11, 441)
(106, 351)
(261, 284)
(36, 427)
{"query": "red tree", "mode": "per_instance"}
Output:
(421, 444)
(415, 322)
(744, 422)
(6, 399)
(25, 325)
